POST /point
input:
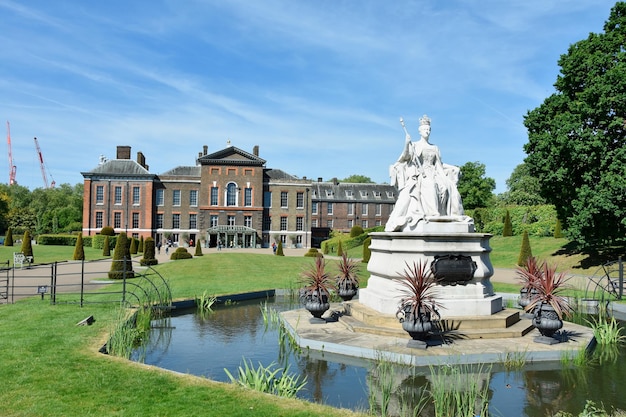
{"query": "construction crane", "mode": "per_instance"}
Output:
(12, 168)
(43, 167)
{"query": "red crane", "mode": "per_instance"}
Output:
(12, 168)
(43, 167)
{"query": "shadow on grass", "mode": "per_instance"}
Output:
(593, 257)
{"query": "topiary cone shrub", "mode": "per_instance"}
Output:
(180, 253)
(558, 233)
(133, 246)
(27, 246)
(508, 227)
(106, 248)
(525, 251)
(148, 254)
(339, 249)
(141, 245)
(79, 251)
(367, 253)
(8, 240)
(198, 251)
(122, 263)
(279, 251)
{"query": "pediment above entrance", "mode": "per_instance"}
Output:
(231, 156)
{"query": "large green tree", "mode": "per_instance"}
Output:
(522, 188)
(576, 138)
(355, 178)
(475, 188)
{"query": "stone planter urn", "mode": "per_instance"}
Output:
(417, 327)
(546, 320)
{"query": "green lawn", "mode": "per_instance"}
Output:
(52, 367)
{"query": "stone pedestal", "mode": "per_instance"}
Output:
(392, 251)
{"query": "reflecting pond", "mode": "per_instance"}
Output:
(205, 345)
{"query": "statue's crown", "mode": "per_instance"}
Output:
(424, 120)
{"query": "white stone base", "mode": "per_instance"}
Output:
(392, 251)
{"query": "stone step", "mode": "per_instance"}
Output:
(504, 324)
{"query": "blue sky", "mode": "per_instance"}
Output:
(319, 85)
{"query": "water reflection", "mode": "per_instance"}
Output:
(189, 343)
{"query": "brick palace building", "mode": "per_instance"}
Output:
(229, 195)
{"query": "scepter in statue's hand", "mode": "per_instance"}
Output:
(408, 137)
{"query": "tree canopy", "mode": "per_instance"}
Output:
(475, 188)
(522, 188)
(355, 178)
(576, 138)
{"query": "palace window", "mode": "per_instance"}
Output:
(193, 221)
(135, 220)
(159, 220)
(283, 199)
(283, 223)
(117, 220)
(176, 221)
(214, 196)
(136, 191)
(100, 194)
(176, 198)
(299, 223)
(193, 198)
(247, 197)
(231, 194)
(160, 199)
(300, 200)
(99, 219)
(118, 195)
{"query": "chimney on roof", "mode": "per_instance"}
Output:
(255, 150)
(205, 150)
(123, 152)
(319, 179)
(141, 160)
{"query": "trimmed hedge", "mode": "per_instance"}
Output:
(63, 240)
(538, 220)
(314, 253)
(180, 253)
(148, 254)
(97, 241)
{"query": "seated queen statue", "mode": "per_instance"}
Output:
(427, 188)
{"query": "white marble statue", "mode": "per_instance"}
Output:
(427, 188)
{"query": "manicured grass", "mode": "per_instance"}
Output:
(52, 367)
(230, 273)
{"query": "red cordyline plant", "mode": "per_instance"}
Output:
(317, 282)
(418, 284)
(347, 277)
(531, 271)
(549, 285)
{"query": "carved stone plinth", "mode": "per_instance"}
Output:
(392, 251)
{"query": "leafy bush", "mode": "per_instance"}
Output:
(313, 253)
(356, 231)
(107, 231)
(537, 220)
(180, 253)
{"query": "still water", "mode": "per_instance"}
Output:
(205, 346)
